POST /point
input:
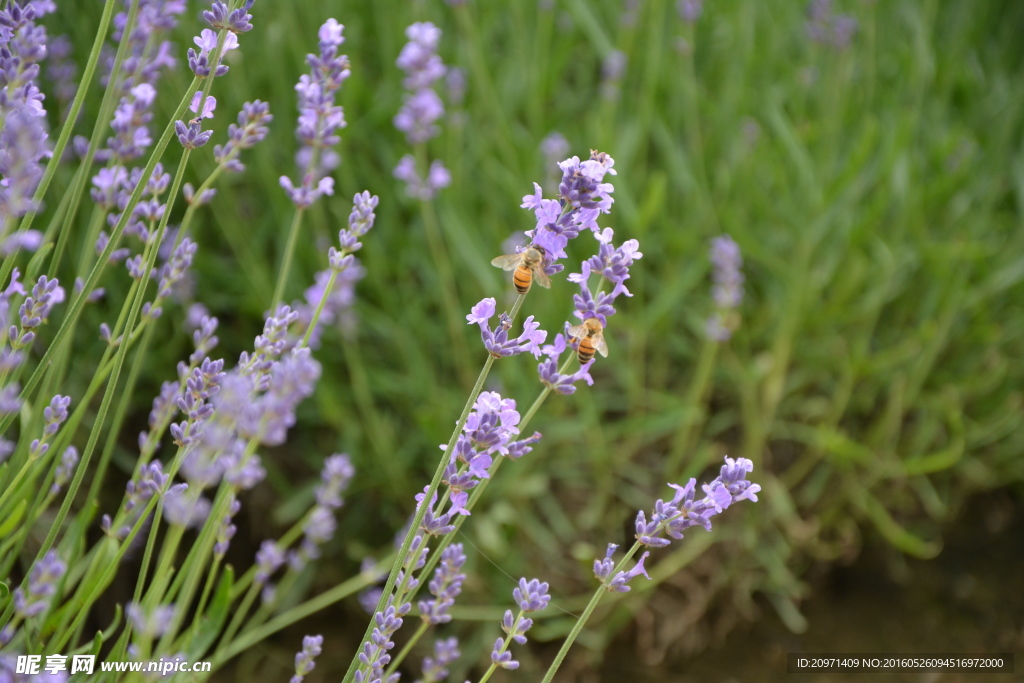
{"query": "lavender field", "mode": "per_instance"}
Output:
(543, 341)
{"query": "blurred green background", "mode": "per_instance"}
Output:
(875, 190)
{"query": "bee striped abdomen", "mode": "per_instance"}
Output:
(522, 278)
(585, 351)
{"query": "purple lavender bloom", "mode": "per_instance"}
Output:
(34, 311)
(319, 118)
(62, 71)
(490, 430)
(22, 147)
(439, 524)
(445, 586)
(728, 288)
(311, 648)
(690, 10)
(417, 116)
(603, 568)
(496, 341)
(827, 27)
(34, 599)
(446, 651)
(269, 559)
(531, 595)
(673, 517)
(150, 623)
(183, 509)
(423, 68)
(502, 657)
(54, 416)
(610, 262)
(374, 658)
(334, 479)
(65, 469)
(548, 368)
(151, 480)
(250, 129)
(226, 530)
(191, 135)
(583, 196)
(420, 188)
(612, 69)
(236, 21)
(619, 583)
(206, 41)
(292, 379)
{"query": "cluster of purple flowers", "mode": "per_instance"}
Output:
(150, 623)
(35, 598)
(613, 264)
(496, 341)
(33, 311)
(23, 139)
(825, 26)
(531, 596)
(690, 10)
(320, 525)
(312, 646)
(672, 518)
(490, 430)
(421, 108)
(582, 197)
(319, 118)
(346, 271)
(727, 292)
(446, 651)
(250, 129)
(445, 586)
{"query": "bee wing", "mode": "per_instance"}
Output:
(599, 344)
(540, 277)
(507, 262)
(578, 331)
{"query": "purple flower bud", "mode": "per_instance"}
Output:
(501, 657)
(603, 568)
(446, 651)
(619, 584)
(531, 595)
(35, 598)
(150, 623)
(319, 118)
(311, 648)
(445, 586)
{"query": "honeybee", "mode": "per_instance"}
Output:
(528, 265)
(591, 338)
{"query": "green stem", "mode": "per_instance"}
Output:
(418, 517)
(286, 260)
(581, 622)
(289, 617)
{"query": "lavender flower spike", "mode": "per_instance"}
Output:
(496, 341)
(669, 519)
(311, 647)
(728, 288)
(42, 586)
(319, 118)
(446, 651)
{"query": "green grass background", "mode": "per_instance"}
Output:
(876, 195)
